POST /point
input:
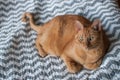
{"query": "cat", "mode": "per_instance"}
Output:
(77, 41)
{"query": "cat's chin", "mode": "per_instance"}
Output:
(89, 48)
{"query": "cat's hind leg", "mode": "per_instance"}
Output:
(71, 65)
(42, 53)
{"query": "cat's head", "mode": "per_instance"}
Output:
(88, 37)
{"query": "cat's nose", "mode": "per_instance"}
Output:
(87, 44)
(86, 47)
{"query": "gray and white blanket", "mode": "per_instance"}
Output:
(19, 59)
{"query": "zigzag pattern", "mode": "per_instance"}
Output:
(19, 59)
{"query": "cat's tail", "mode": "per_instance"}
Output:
(32, 24)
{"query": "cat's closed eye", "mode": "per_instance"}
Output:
(90, 38)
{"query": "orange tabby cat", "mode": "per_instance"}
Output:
(79, 42)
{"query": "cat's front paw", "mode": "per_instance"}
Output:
(74, 67)
(92, 66)
(42, 54)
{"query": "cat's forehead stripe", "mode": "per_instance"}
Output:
(86, 30)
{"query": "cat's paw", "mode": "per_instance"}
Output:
(42, 54)
(74, 67)
(92, 66)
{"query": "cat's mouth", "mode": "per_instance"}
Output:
(90, 47)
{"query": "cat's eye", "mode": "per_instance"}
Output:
(80, 38)
(91, 38)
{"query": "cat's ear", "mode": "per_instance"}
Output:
(96, 25)
(78, 25)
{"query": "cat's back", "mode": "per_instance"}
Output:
(72, 18)
(65, 20)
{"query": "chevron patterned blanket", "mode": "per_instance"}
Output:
(19, 59)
